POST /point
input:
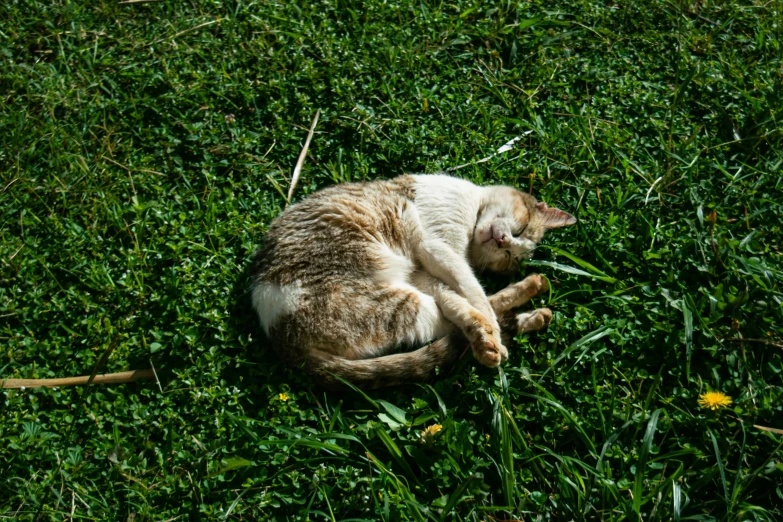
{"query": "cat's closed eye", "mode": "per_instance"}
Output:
(519, 232)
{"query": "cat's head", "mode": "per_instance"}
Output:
(510, 225)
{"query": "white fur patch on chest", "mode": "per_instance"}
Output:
(272, 301)
(447, 208)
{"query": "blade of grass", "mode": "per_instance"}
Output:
(720, 467)
(441, 405)
(735, 490)
(236, 420)
(328, 505)
(599, 463)
(570, 270)
(456, 495)
(676, 502)
(641, 464)
(568, 415)
(608, 444)
(584, 340)
(749, 480)
(401, 488)
(234, 504)
(357, 390)
(651, 391)
(303, 442)
(421, 509)
(525, 448)
(337, 436)
(500, 424)
(670, 479)
(597, 395)
(688, 319)
(579, 261)
(395, 452)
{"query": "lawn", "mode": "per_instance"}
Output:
(146, 146)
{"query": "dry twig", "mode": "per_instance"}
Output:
(300, 161)
(109, 378)
(750, 340)
(771, 430)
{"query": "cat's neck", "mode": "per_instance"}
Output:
(448, 207)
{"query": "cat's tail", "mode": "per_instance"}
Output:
(420, 365)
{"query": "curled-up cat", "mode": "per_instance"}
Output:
(354, 274)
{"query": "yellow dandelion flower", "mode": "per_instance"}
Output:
(283, 397)
(429, 432)
(435, 428)
(714, 400)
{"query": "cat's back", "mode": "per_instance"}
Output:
(332, 233)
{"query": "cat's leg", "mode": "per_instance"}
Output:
(481, 334)
(443, 263)
(430, 323)
(373, 322)
(423, 364)
(517, 294)
(533, 321)
(463, 301)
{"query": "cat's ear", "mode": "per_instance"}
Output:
(554, 217)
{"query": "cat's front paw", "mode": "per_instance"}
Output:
(488, 351)
(487, 347)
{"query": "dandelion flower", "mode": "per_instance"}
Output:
(430, 431)
(714, 400)
(435, 428)
(283, 397)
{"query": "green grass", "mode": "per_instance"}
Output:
(143, 152)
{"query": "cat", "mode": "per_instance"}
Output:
(354, 273)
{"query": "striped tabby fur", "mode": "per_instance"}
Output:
(349, 280)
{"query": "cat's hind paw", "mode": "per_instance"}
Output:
(537, 284)
(534, 321)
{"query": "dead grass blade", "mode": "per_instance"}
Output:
(302, 155)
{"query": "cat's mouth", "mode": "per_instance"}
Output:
(491, 232)
(494, 241)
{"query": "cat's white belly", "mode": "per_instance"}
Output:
(395, 269)
(272, 301)
(430, 322)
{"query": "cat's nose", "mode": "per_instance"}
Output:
(501, 239)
